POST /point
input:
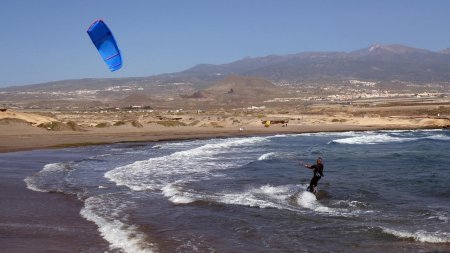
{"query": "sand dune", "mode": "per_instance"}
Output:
(31, 118)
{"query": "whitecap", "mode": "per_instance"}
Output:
(439, 137)
(266, 196)
(371, 139)
(110, 222)
(176, 195)
(420, 235)
(48, 179)
(188, 165)
(267, 156)
(350, 203)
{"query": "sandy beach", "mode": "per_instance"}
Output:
(30, 140)
(25, 131)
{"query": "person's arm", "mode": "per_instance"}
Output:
(313, 167)
(307, 165)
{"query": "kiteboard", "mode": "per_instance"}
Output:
(320, 194)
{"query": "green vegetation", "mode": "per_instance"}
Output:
(169, 123)
(60, 126)
(53, 126)
(120, 123)
(103, 124)
(73, 126)
(339, 120)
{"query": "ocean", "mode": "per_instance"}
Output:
(382, 191)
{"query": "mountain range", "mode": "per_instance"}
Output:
(375, 63)
(380, 63)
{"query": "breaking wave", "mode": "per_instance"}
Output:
(283, 197)
(390, 137)
(188, 165)
(267, 156)
(50, 178)
(372, 139)
(420, 236)
(111, 221)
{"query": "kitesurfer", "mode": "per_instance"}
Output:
(317, 174)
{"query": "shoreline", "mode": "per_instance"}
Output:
(59, 214)
(64, 139)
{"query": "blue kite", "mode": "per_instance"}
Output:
(106, 45)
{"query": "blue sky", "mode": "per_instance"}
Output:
(46, 40)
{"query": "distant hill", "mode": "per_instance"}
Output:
(375, 63)
(242, 86)
(135, 99)
(240, 89)
(195, 95)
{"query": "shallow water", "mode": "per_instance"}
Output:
(382, 191)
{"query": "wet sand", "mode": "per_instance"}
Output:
(37, 222)
(16, 141)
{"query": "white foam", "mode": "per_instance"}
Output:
(265, 196)
(350, 203)
(439, 137)
(439, 215)
(344, 134)
(281, 192)
(309, 200)
(420, 236)
(443, 218)
(249, 199)
(31, 186)
(428, 130)
(282, 135)
(175, 195)
(267, 156)
(39, 181)
(116, 232)
(372, 139)
(187, 165)
(179, 144)
(278, 197)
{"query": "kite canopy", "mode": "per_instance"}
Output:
(106, 45)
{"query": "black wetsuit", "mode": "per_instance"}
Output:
(318, 174)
